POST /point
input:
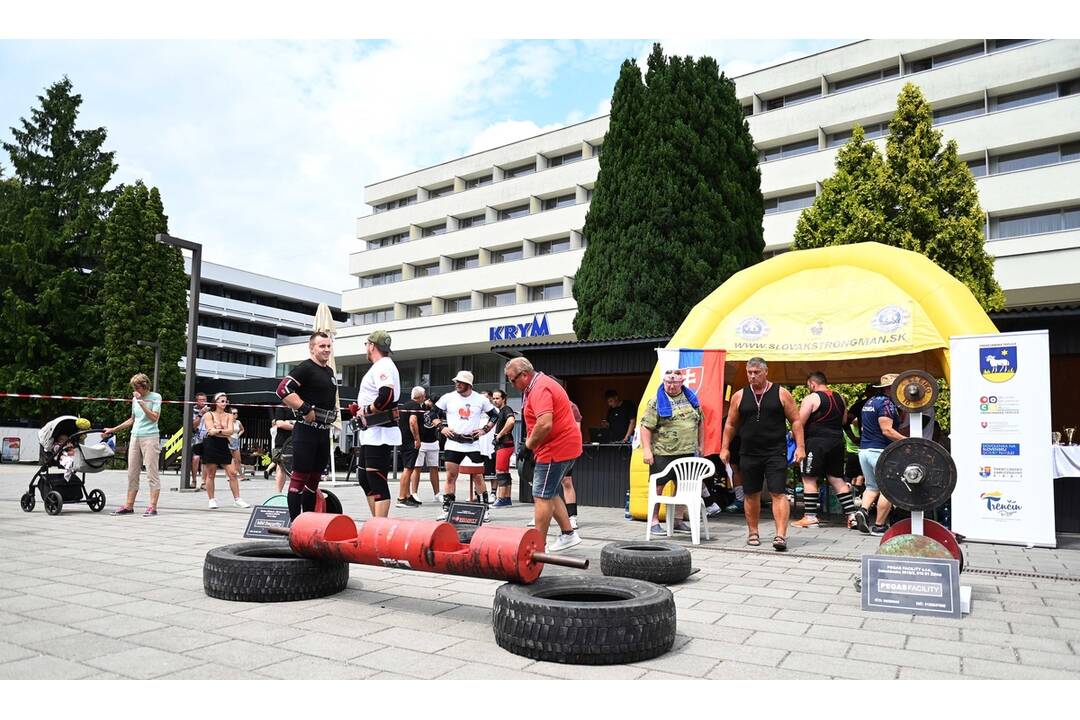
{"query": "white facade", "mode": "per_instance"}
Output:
(1012, 107)
(242, 315)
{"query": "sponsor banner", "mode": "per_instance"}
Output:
(1001, 438)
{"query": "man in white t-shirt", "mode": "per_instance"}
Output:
(464, 416)
(378, 397)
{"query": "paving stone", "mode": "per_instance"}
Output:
(800, 643)
(1013, 671)
(587, 672)
(963, 650)
(333, 647)
(730, 651)
(474, 671)
(750, 610)
(306, 667)
(241, 654)
(880, 623)
(175, 639)
(735, 670)
(907, 658)
(29, 631)
(867, 637)
(680, 664)
(921, 674)
(826, 619)
(9, 652)
(118, 625)
(210, 621)
(1018, 641)
(407, 662)
(822, 665)
(144, 663)
(1057, 661)
(765, 624)
(22, 603)
(1050, 632)
(43, 666)
(484, 652)
(213, 671)
(420, 641)
(80, 646)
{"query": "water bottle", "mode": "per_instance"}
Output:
(626, 512)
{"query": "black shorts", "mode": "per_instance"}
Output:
(409, 455)
(375, 461)
(852, 467)
(824, 457)
(759, 471)
(660, 465)
(311, 449)
(196, 450)
(457, 456)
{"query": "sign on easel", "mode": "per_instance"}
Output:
(264, 517)
(911, 585)
(466, 517)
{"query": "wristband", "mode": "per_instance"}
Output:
(305, 408)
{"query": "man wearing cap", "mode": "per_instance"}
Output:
(380, 390)
(464, 416)
(878, 425)
(670, 430)
(310, 390)
(757, 413)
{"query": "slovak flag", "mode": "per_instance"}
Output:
(704, 371)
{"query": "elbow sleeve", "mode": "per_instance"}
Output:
(385, 398)
(287, 386)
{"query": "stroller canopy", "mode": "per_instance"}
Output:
(63, 425)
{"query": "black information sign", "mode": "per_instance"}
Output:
(264, 517)
(911, 585)
(466, 517)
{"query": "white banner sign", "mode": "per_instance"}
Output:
(1000, 395)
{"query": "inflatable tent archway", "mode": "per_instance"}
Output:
(854, 312)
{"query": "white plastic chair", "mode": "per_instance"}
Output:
(689, 474)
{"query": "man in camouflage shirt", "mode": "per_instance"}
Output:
(670, 429)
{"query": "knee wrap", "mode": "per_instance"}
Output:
(376, 486)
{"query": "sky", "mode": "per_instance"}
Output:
(262, 148)
(262, 129)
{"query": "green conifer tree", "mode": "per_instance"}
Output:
(677, 205)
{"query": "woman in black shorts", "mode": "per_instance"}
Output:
(218, 425)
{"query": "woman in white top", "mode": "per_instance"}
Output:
(234, 442)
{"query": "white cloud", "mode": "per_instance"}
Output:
(508, 131)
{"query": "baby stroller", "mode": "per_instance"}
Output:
(54, 489)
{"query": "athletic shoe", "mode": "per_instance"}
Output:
(531, 523)
(862, 522)
(502, 503)
(682, 527)
(445, 512)
(238, 502)
(437, 498)
(657, 529)
(735, 507)
(150, 512)
(851, 524)
(123, 510)
(403, 503)
(573, 521)
(212, 504)
(414, 502)
(807, 521)
(878, 530)
(564, 542)
(714, 513)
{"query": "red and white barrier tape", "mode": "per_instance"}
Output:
(36, 396)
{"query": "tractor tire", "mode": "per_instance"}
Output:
(269, 572)
(585, 620)
(658, 562)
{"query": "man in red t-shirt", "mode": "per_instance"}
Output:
(554, 439)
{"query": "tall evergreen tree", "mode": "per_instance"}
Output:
(143, 297)
(677, 205)
(51, 215)
(920, 197)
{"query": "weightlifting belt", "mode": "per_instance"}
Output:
(323, 418)
(383, 418)
(459, 438)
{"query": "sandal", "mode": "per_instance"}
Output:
(753, 539)
(779, 544)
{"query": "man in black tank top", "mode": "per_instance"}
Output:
(758, 413)
(822, 413)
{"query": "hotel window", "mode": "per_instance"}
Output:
(472, 221)
(428, 270)
(561, 201)
(748, 110)
(943, 59)
(377, 315)
(959, 112)
(433, 230)
(383, 278)
(418, 311)
(553, 247)
(1045, 221)
(1035, 95)
(388, 240)
(439, 192)
(588, 195)
(514, 212)
(870, 132)
(995, 45)
(401, 202)
(467, 262)
(784, 203)
(500, 299)
(794, 98)
(453, 305)
(507, 255)
(790, 150)
(520, 170)
(551, 291)
(478, 182)
(864, 79)
(565, 159)
(597, 149)
(1010, 162)
(977, 166)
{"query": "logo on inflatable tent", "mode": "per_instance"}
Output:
(752, 328)
(890, 318)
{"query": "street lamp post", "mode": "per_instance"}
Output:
(157, 357)
(193, 331)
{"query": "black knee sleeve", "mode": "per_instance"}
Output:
(375, 485)
(503, 479)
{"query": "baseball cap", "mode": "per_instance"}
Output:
(380, 339)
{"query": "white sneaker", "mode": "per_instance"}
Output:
(443, 514)
(573, 521)
(212, 504)
(438, 498)
(238, 502)
(531, 523)
(564, 542)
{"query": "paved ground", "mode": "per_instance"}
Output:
(86, 595)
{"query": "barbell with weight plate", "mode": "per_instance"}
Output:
(915, 474)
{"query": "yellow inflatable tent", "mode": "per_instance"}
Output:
(854, 312)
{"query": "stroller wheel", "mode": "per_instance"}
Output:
(54, 503)
(96, 500)
(27, 502)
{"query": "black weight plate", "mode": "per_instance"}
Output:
(905, 460)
